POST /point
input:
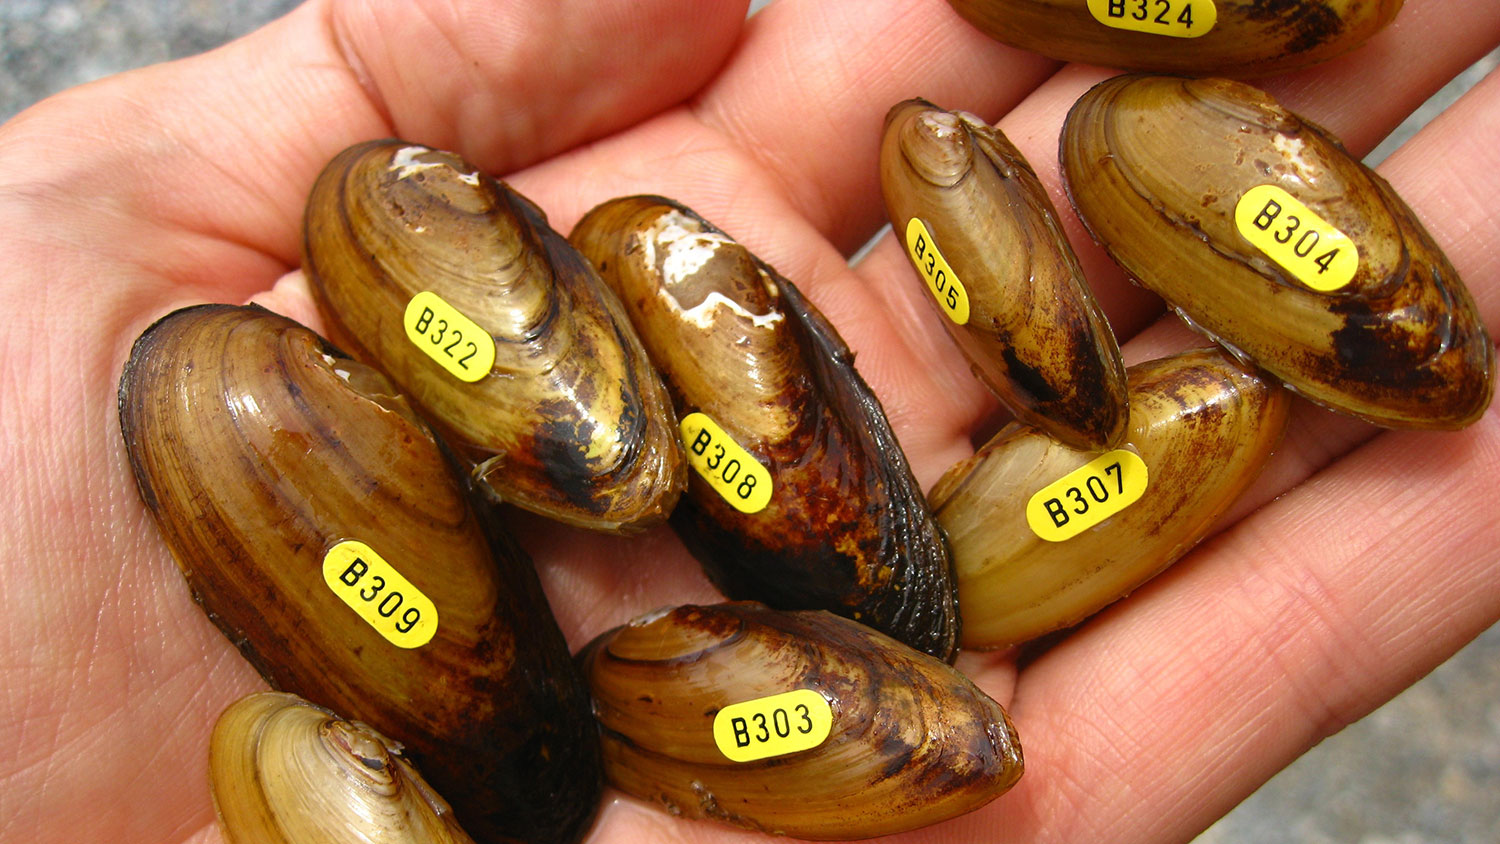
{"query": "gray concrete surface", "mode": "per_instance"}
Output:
(1424, 769)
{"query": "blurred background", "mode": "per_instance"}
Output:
(1423, 769)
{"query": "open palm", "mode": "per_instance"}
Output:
(1359, 561)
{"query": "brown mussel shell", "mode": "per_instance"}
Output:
(570, 421)
(845, 527)
(261, 452)
(1203, 426)
(1229, 37)
(1159, 167)
(910, 741)
(1031, 329)
(284, 771)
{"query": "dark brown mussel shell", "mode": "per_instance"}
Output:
(1229, 37)
(802, 498)
(797, 723)
(982, 233)
(263, 454)
(1263, 232)
(455, 286)
(1040, 537)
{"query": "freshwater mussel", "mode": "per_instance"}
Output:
(455, 286)
(1230, 37)
(800, 723)
(321, 528)
(982, 233)
(1262, 231)
(802, 498)
(283, 771)
(1044, 535)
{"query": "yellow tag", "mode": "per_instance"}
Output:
(382, 597)
(448, 337)
(1087, 495)
(773, 726)
(1176, 18)
(941, 280)
(1289, 233)
(728, 468)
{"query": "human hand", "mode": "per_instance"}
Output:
(184, 183)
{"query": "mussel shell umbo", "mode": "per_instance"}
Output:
(262, 452)
(845, 526)
(1202, 425)
(1174, 177)
(1229, 37)
(1030, 327)
(569, 421)
(284, 771)
(910, 741)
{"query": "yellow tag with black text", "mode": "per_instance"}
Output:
(1087, 495)
(773, 726)
(448, 337)
(942, 282)
(1173, 18)
(386, 601)
(732, 471)
(1289, 233)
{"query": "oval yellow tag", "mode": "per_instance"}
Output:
(731, 470)
(773, 726)
(1289, 233)
(1087, 495)
(382, 597)
(942, 282)
(448, 337)
(1174, 18)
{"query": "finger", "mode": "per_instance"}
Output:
(509, 84)
(797, 118)
(596, 583)
(807, 95)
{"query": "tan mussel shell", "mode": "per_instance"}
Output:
(1231, 37)
(910, 740)
(1204, 427)
(1032, 331)
(570, 421)
(286, 772)
(1158, 167)
(261, 451)
(843, 525)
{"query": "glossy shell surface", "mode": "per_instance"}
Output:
(846, 527)
(1230, 37)
(283, 771)
(1032, 331)
(1203, 426)
(259, 449)
(912, 742)
(570, 421)
(1158, 168)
